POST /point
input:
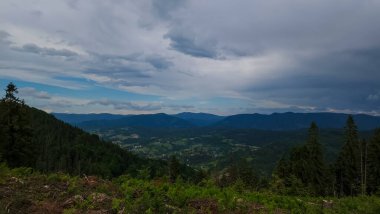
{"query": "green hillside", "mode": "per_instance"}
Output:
(34, 138)
(48, 166)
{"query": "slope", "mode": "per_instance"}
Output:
(293, 121)
(60, 147)
(199, 119)
(79, 118)
(145, 120)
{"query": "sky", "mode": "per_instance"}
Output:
(223, 57)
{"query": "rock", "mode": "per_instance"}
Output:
(76, 199)
(17, 180)
(91, 181)
(99, 197)
(327, 203)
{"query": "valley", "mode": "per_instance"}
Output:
(218, 141)
(159, 163)
(213, 149)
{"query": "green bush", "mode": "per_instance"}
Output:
(4, 172)
(22, 171)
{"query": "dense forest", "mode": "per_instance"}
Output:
(32, 138)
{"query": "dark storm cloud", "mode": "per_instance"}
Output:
(188, 46)
(4, 42)
(163, 8)
(140, 106)
(159, 62)
(156, 61)
(118, 67)
(119, 105)
(337, 80)
(3, 35)
(33, 48)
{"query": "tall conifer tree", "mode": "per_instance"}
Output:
(17, 134)
(348, 175)
(373, 171)
(174, 168)
(316, 171)
(306, 164)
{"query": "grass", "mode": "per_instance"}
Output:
(23, 190)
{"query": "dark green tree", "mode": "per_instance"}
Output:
(17, 147)
(348, 175)
(363, 165)
(316, 169)
(174, 168)
(373, 168)
(3, 139)
(282, 167)
(247, 174)
(305, 167)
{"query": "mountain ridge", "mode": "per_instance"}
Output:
(144, 120)
(293, 121)
(79, 118)
(199, 119)
(274, 121)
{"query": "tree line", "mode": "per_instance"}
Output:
(356, 170)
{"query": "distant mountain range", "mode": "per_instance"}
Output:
(275, 121)
(292, 121)
(79, 118)
(144, 120)
(200, 119)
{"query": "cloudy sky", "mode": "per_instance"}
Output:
(223, 57)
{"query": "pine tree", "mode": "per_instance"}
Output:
(246, 174)
(373, 183)
(305, 165)
(299, 164)
(363, 166)
(316, 171)
(174, 168)
(282, 168)
(348, 173)
(17, 135)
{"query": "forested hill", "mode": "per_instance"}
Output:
(200, 119)
(33, 138)
(274, 122)
(145, 120)
(293, 121)
(62, 147)
(79, 118)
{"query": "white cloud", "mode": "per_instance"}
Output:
(32, 92)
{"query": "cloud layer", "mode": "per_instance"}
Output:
(217, 56)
